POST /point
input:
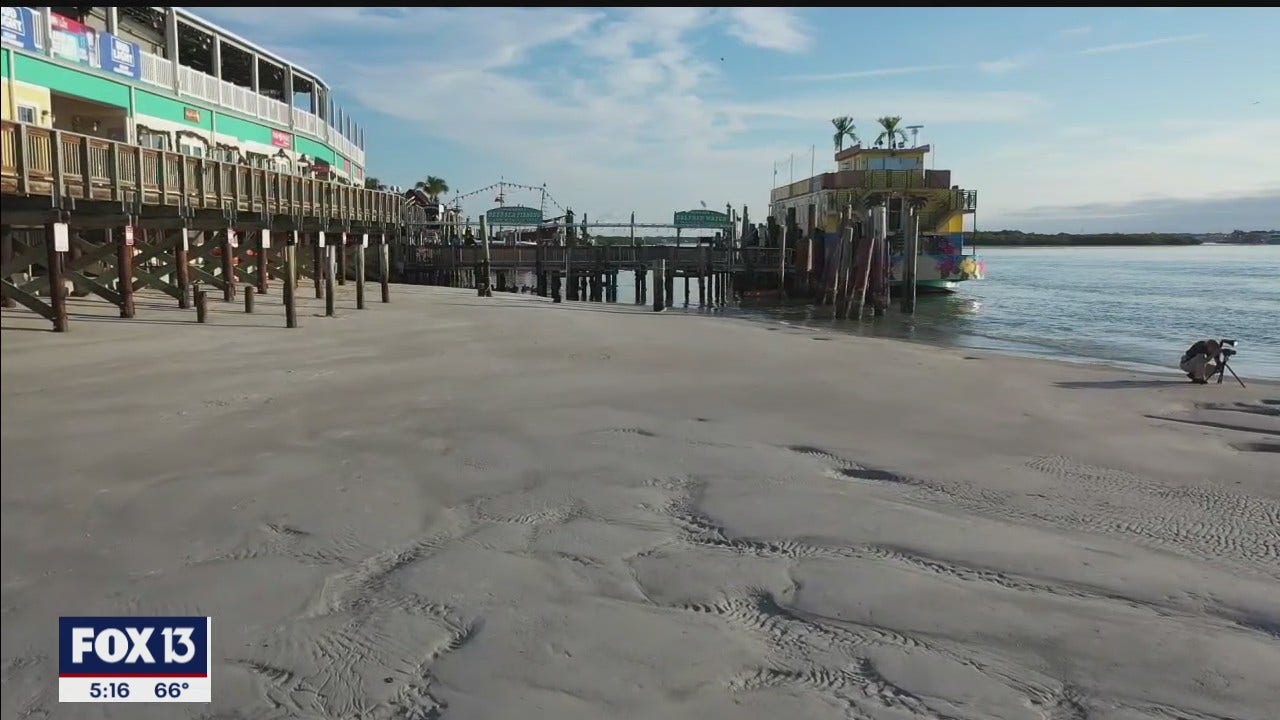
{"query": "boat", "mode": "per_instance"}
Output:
(812, 207)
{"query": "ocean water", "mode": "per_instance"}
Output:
(1131, 307)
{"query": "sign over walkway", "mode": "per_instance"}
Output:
(701, 219)
(514, 215)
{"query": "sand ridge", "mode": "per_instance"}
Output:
(461, 508)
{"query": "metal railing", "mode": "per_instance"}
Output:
(42, 162)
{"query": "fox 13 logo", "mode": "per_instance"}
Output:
(134, 659)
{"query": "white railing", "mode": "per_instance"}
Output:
(307, 124)
(197, 84)
(157, 70)
(273, 110)
(241, 99)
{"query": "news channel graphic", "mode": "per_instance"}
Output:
(134, 659)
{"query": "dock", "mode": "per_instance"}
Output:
(109, 218)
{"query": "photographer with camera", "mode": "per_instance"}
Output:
(1198, 361)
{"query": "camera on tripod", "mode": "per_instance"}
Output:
(1226, 350)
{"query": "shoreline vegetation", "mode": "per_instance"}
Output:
(1018, 238)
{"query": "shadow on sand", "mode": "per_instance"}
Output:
(1121, 384)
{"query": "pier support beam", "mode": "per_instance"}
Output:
(360, 248)
(659, 285)
(124, 269)
(291, 281)
(317, 263)
(384, 268)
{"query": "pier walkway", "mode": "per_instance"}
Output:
(109, 218)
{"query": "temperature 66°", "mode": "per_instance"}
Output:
(170, 690)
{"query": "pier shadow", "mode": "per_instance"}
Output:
(1120, 384)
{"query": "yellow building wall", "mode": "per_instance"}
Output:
(955, 224)
(21, 93)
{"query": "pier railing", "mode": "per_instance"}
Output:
(58, 164)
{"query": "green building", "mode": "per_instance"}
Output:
(163, 77)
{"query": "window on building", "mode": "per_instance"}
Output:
(27, 114)
(149, 138)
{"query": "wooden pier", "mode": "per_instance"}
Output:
(110, 219)
(590, 273)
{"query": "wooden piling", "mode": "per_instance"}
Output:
(202, 303)
(659, 283)
(248, 299)
(384, 269)
(555, 286)
(291, 282)
(910, 257)
(317, 263)
(329, 264)
(360, 247)
(229, 243)
(55, 238)
(341, 252)
(6, 257)
(182, 270)
(483, 288)
(263, 261)
(124, 269)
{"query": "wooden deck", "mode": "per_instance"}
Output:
(96, 217)
(93, 182)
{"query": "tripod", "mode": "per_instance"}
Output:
(1223, 367)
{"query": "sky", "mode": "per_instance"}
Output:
(1063, 120)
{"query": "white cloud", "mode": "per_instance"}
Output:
(771, 28)
(1120, 47)
(1003, 65)
(630, 117)
(1082, 30)
(881, 72)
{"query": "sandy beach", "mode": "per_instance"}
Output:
(452, 507)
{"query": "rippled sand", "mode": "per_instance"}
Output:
(450, 507)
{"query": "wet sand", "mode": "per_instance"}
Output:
(453, 507)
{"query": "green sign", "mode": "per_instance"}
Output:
(701, 219)
(514, 215)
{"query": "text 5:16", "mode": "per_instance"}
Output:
(109, 690)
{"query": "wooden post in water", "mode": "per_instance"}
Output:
(291, 281)
(360, 248)
(910, 255)
(483, 288)
(384, 268)
(124, 269)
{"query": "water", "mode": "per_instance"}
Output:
(1132, 307)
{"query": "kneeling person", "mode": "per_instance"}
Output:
(1198, 362)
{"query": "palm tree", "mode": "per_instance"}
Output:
(373, 183)
(892, 133)
(844, 129)
(433, 186)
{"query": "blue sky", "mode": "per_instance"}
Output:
(1141, 119)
